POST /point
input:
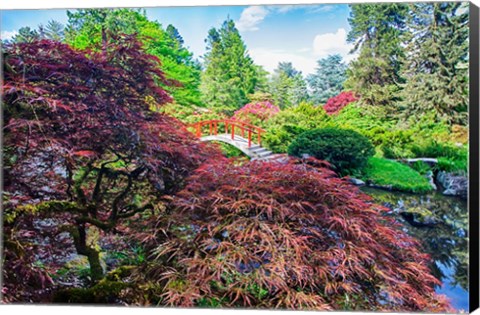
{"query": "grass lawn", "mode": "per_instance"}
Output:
(399, 176)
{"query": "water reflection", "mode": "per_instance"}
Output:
(441, 223)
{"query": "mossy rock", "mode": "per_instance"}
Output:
(419, 216)
(106, 291)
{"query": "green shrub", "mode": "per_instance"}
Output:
(435, 149)
(229, 150)
(421, 167)
(450, 158)
(289, 123)
(395, 175)
(346, 150)
(452, 165)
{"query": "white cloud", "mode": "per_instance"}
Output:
(323, 8)
(8, 34)
(310, 8)
(251, 17)
(333, 43)
(269, 59)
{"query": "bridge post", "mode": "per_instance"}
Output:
(233, 132)
(199, 130)
(215, 128)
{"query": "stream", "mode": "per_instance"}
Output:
(441, 224)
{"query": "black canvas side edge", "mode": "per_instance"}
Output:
(473, 200)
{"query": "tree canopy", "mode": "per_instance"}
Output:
(229, 72)
(328, 79)
(93, 28)
(83, 143)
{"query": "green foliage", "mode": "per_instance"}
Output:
(92, 28)
(437, 66)
(54, 30)
(346, 150)
(26, 35)
(289, 123)
(452, 165)
(288, 86)
(328, 79)
(395, 175)
(229, 74)
(376, 31)
(434, 150)
(210, 302)
(421, 167)
(450, 158)
(229, 150)
(192, 114)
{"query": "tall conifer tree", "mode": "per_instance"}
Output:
(230, 74)
(437, 66)
(328, 79)
(376, 31)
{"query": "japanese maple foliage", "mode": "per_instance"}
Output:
(293, 235)
(256, 113)
(336, 103)
(83, 143)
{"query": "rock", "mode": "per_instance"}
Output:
(454, 184)
(384, 187)
(356, 181)
(429, 176)
(429, 161)
(306, 156)
(420, 217)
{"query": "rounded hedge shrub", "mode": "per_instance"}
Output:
(345, 149)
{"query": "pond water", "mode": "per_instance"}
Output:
(443, 230)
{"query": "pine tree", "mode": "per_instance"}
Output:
(26, 35)
(376, 31)
(288, 86)
(54, 30)
(230, 74)
(437, 66)
(174, 34)
(328, 78)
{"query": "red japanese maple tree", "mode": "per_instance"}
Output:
(336, 103)
(256, 113)
(292, 235)
(84, 145)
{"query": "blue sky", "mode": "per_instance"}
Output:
(300, 34)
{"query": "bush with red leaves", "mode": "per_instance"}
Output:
(271, 235)
(256, 113)
(336, 103)
(84, 145)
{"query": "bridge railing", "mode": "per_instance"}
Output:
(229, 126)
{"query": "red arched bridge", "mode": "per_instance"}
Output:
(244, 136)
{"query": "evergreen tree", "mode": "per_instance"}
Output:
(230, 75)
(26, 35)
(376, 31)
(288, 86)
(437, 64)
(174, 34)
(54, 30)
(288, 69)
(328, 78)
(92, 28)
